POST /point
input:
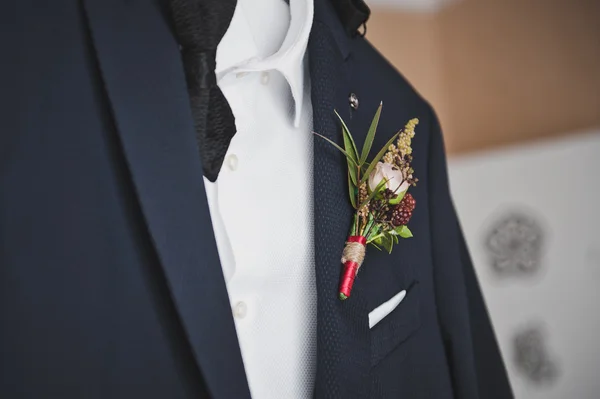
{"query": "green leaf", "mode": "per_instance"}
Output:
(403, 231)
(396, 201)
(373, 244)
(349, 144)
(379, 155)
(351, 191)
(348, 157)
(370, 135)
(388, 243)
(353, 228)
(376, 238)
(374, 231)
(374, 192)
(352, 170)
(350, 148)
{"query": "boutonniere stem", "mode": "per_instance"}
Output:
(378, 191)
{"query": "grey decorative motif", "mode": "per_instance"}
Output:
(532, 358)
(353, 99)
(514, 244)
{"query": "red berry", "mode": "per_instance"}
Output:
(402, 212)
(409, 202)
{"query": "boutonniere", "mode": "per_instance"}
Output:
(378, 192)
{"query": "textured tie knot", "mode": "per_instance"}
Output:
(203, 63)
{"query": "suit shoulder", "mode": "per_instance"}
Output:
(383, 82)
(384, 75)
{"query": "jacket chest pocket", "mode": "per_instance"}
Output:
(386, 279)
(396, 326)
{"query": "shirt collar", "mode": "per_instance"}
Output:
(239, 51)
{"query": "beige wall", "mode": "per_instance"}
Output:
(500, 71)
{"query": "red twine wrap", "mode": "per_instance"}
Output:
(352, 258)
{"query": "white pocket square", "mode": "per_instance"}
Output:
(377, 314)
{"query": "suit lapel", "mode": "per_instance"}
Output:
(143, 76)
(343, 341)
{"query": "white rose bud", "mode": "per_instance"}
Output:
(393, 176)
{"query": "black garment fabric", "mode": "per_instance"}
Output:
(199, 27)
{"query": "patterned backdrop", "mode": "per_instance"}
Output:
(532, 222)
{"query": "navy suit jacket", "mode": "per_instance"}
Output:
(110, 283)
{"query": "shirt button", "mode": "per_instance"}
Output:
(240, 310)
(232, 162)
(264, 79)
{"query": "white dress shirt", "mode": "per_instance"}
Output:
(261, 203)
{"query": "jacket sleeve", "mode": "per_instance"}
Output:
(472, 353)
